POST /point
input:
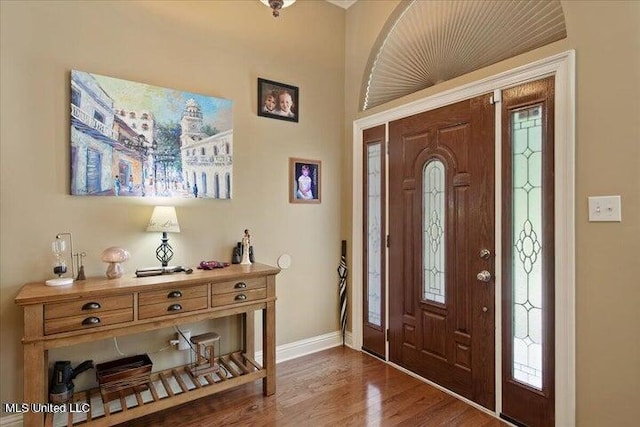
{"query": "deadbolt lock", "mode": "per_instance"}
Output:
(485, 253)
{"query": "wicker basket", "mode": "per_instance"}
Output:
(119, 375)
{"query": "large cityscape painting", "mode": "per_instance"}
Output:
(131, 139)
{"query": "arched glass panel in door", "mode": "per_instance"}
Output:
(433, 241)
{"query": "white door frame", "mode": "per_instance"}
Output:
(563, 67)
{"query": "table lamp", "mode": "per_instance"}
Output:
(164, 219)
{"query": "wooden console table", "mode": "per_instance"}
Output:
(98, 308)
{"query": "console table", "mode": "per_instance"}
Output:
(99, 308)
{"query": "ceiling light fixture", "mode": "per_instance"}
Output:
(276, 5)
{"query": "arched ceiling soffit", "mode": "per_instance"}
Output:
(426, 42)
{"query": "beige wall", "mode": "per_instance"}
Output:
(214, 48)
(606, 38)
(220, 48)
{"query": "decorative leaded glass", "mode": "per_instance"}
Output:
(433, 241)
(374, 247)
(527, 244)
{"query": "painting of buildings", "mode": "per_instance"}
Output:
(132, 139)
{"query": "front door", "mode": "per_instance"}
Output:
(441, 247)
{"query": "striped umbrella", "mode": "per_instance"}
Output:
(342, 273)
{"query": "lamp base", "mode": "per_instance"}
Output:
(164, 252)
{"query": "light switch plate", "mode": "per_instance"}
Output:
(605, 209)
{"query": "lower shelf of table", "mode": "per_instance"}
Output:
(165, 389)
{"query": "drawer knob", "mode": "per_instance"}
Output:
(241, 297)
(91, 306)
(91, 321)
(240, 285)
(174, 294)
(174, 307)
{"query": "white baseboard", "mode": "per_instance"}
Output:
(283, 352)
(307, 346)
(11, 421)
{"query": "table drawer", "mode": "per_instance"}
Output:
(238, 285)
(85, 321)
(168, 308)
(171, 294)
(87, 306)
(238, 297)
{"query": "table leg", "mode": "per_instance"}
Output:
(269, 348)
(249, 327)
(34, 381)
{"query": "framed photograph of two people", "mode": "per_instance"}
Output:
(277, 100)
(304, 181)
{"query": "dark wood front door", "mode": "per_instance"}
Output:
(441, 238)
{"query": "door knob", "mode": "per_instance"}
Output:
(484, 276)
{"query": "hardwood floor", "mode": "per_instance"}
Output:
(335, 387)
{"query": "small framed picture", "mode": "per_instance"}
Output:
(304, 181)
(277, 100)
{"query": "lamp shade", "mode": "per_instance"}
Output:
(164, 219)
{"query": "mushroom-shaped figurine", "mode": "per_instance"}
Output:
(114, 256)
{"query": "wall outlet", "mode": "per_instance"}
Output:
(183, 341)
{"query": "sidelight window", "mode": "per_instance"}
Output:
(528, 245)
(374, 234)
